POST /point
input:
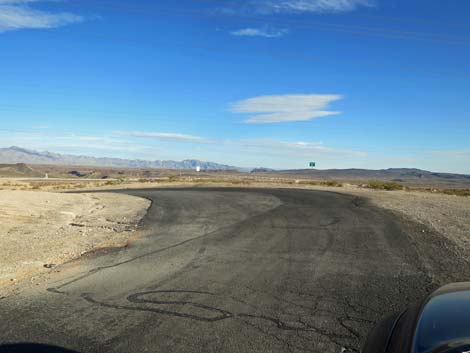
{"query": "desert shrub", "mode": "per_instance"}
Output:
(457, 192)
(384, 185)
(158, 180)
(239, 182)
(307, 182)
(172, 178)
(143, 180)
(334, 183)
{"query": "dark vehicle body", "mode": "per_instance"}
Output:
(438, 324)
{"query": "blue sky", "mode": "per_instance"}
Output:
(275, 83)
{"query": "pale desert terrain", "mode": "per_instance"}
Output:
(43, 229)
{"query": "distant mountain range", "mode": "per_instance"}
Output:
(12, 155)
(402, 175)
(18, 162)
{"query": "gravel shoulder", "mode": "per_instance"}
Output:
(446, 214)
(43, 229)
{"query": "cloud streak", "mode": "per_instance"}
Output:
(299, 148)
(297, 6)
(17, 14)
(313, 5)
(260, 32)
(146, 145)
(80, 143)
(286, 108)
(167, 136)
(465, 154)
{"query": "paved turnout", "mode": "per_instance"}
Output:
(237, 270)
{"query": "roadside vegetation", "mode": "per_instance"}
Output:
(384, 185)
(332, 183)
(457, 192)
(207, 180)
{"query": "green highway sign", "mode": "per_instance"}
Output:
(311, 164)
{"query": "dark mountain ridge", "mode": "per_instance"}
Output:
(402, 175)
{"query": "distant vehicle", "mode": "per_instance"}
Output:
(438, 324)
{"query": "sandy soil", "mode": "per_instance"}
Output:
(42, 229)
(448, 215)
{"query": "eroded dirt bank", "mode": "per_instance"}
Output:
(42, 229)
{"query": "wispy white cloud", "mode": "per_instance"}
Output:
(296, 6)
(312, 5)
(294, 149)
(16, 2)
(286, 108)
(257, 146)
(269, 143)
(41, 139)
(17, 14)
(166, 136)
(273, 152)
(260, 32)
(464, 154)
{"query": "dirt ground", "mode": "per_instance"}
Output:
(447, 214)
(42, 229)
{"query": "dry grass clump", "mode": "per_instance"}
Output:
(457, 192)
(383, 185)
(8, 185)
(111, 182)
(331, 183)
(239, 182)
(233, 181)
(307, 182)
(334, 183)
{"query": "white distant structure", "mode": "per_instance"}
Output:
(46, 176)
(198, 169)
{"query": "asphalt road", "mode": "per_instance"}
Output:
(237, 270)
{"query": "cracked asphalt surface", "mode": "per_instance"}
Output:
(238, 270)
